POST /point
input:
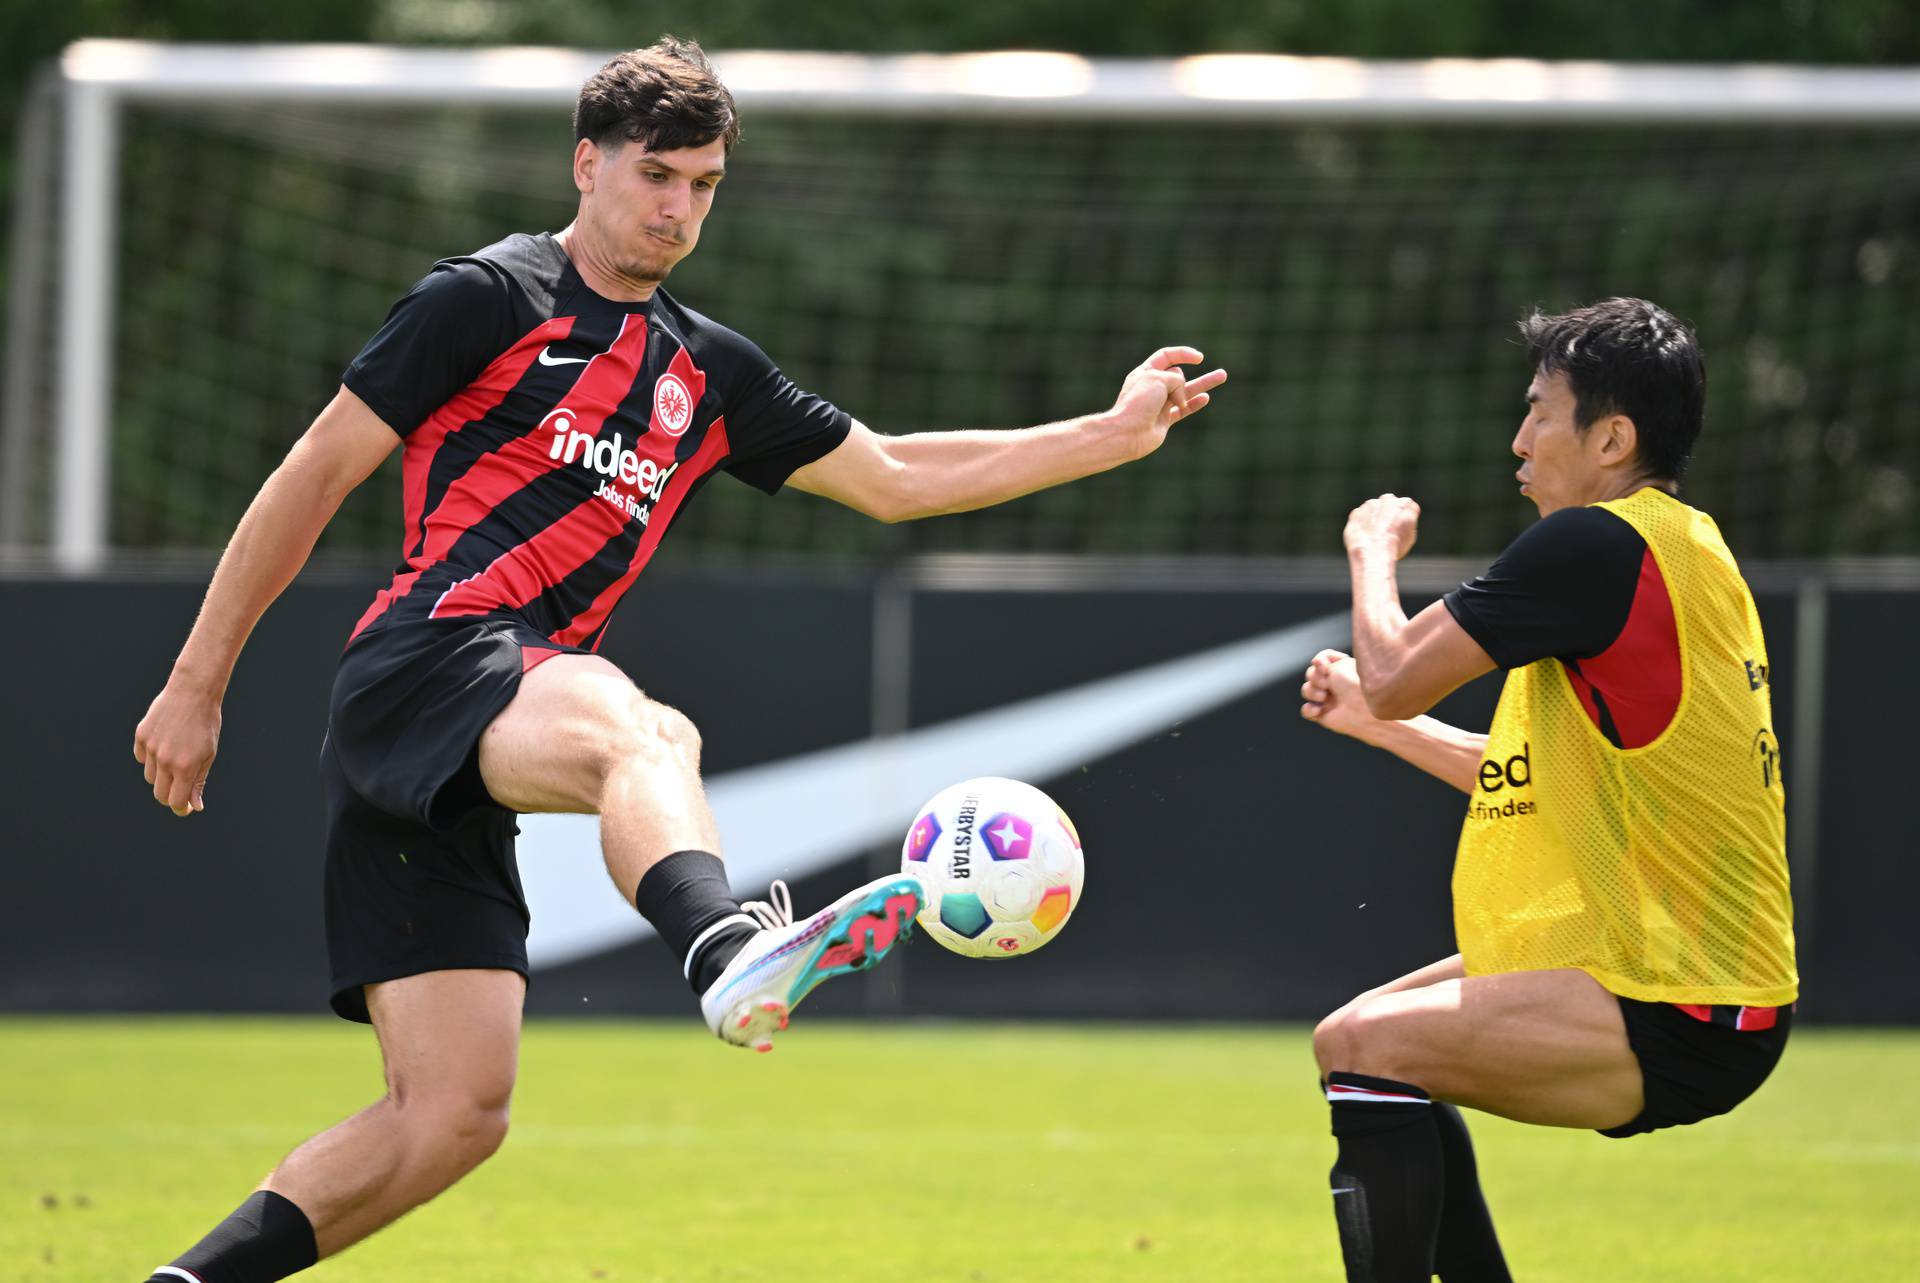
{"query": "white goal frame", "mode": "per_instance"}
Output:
(76, 114)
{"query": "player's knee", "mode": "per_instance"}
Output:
(466, 1123)
(1330, 1041)
(657, 735)
(1366, 1039)
(480, 1130)
(468, 1133)
(675, 729)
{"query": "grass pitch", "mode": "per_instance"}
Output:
(642, 1153)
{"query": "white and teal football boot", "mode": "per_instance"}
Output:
(786, 960)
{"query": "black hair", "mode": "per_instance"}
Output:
(1627, 356)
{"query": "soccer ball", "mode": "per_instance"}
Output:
(1001, 866)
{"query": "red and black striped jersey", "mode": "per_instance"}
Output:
(552, 435)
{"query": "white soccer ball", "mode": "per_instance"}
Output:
(1001, 866)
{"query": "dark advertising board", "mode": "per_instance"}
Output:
(1240, 864)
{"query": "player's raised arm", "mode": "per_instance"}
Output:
(178, 737)
(927, 474)
(1406, 666)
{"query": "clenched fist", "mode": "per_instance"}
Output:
(1331, 694)
(1389, 522)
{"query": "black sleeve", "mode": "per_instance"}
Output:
(773, 427)
(1563, 589)
(437, 339)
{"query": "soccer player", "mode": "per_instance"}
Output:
(1620, 890)
(558, 409)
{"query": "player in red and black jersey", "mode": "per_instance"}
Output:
(552, 434)
(558, 409)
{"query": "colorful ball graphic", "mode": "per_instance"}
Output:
(1001, 864)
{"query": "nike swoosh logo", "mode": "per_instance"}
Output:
(562, 360)
(875, 786)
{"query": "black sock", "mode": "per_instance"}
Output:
(1468, 1250)
(266, 1238)
(1388, 1179)
(683, 896)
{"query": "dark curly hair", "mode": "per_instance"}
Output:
(666, 97)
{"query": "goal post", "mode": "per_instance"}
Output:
(62, 420)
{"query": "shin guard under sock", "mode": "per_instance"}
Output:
(1388, 1179)
(266, 1238)
(686, 898)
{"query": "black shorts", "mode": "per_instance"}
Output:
(420, 863)
(1695, 1068)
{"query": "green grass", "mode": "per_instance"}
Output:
(644, 1152)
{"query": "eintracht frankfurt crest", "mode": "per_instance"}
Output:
(672, 405)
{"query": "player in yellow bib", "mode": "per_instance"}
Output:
(1620, 889)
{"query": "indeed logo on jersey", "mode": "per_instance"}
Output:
(1496, 777)
(608, 457)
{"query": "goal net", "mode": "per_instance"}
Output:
(1358, 271)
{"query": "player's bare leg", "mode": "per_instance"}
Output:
(1547, 1047)
(1542, 1047)
(450, 1043)
(580, 737)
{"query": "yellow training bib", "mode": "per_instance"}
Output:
(1660, 870)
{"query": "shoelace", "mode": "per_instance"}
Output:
(774, 915)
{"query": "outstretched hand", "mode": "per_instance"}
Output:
(1157, 393)
(176, 742)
